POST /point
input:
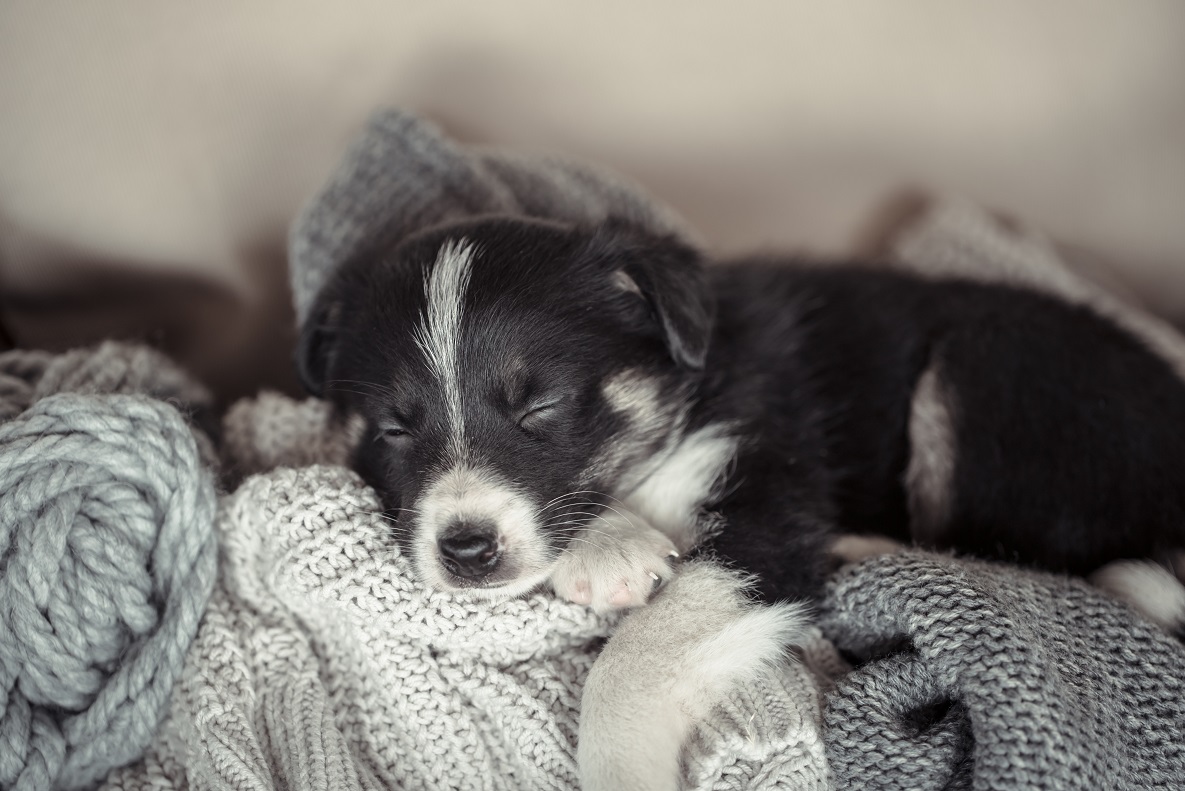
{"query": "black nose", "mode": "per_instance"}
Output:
(469, 550)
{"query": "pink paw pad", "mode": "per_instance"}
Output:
(621, 596)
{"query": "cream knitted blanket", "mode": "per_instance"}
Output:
(323, 664)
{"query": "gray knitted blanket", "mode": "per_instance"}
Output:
(981, 676)
(403, 175)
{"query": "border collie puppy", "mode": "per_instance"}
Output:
(579, 406)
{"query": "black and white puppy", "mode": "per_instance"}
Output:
(578, 406)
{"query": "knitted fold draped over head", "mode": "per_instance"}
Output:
(403, 175)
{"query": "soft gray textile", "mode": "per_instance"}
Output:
(403, 176)
(984, 676)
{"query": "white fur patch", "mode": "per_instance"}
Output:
(470, 494)
(667, 666)
(439, 333)
(1146, 586)
(681, 480)
(615, 562)
(929, 477)
(626, 283)
(636, 396)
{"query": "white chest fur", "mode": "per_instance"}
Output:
(680, 480)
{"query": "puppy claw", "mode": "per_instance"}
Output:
(581, 593)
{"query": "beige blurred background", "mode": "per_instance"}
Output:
(152, 154)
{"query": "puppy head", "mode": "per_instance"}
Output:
(511, 374)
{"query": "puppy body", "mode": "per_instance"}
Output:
(987, 419)
(581, 405)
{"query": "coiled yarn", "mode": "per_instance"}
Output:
(107, 558)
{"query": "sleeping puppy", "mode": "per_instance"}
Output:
(547, 404)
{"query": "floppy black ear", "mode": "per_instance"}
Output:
(317, 344)
(669, 275)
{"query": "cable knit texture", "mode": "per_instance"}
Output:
(107, 557)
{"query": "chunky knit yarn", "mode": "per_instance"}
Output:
(111, 367)
(107, 558)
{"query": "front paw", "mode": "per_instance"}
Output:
(617, 561)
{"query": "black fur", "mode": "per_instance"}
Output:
(1067, 450)
(1067, 456)
(545, 322)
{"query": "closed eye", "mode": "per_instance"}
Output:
(538, 413)
(393, 433)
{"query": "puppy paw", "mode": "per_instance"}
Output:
(616, 562)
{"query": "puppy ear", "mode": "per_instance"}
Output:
(670, 277)
(317, 344)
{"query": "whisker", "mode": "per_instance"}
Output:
(376, 387)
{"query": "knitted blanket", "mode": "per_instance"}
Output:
(404, 175)
(975, 675)
(322, 663)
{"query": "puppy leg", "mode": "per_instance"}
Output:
(617, 561)
(1148, 587)
(667, 666)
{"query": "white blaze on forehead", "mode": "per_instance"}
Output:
(439, 333)
(467, 494)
